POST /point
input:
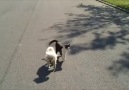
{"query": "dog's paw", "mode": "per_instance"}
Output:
(48, 67)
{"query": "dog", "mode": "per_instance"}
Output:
(51, 57)
(62, 49)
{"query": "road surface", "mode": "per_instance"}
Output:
(99, 38)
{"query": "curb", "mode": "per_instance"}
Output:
(124, 10)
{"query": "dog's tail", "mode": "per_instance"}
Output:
(53, 41)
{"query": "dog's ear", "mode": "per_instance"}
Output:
(69, 45)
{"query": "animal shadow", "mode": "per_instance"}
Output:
(42, 73)
(59, 65)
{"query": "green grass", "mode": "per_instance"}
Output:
(120, 3)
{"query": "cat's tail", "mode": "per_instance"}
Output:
(53, 41)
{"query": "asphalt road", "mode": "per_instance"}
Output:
(99, 38)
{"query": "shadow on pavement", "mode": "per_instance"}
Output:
(97, 23)
(59, 65)
(42, 73)
(120, 66)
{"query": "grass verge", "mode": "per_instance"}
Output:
(120, 3)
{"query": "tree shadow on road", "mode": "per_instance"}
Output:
(96, 23)
(78, 25)
(120, 66)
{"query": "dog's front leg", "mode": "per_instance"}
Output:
(48, 64)
(64, 56)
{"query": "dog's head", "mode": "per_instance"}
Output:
(67, 46)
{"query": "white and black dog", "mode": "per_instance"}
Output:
(51, 57)
(61, 48)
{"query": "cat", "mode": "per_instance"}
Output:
(62, 49)
(51, 57)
